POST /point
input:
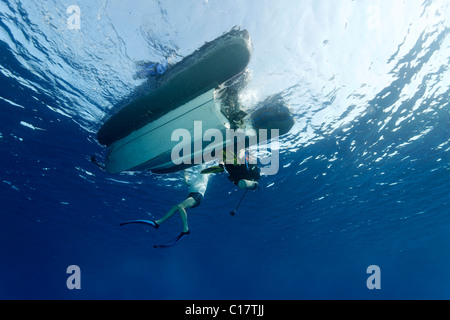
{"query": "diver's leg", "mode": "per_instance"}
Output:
(186, 204)
(168, 214)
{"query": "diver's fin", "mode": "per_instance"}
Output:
(173, 242)
(152, 223)
(213, 169)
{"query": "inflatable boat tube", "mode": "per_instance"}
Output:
(207, 68)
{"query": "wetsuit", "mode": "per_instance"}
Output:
(242, 171)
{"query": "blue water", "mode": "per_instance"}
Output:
(364, 174)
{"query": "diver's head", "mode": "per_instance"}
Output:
(273, 113)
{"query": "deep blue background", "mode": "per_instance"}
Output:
(283, 243)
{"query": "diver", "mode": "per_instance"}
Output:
(244, 175)
(197, 189)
